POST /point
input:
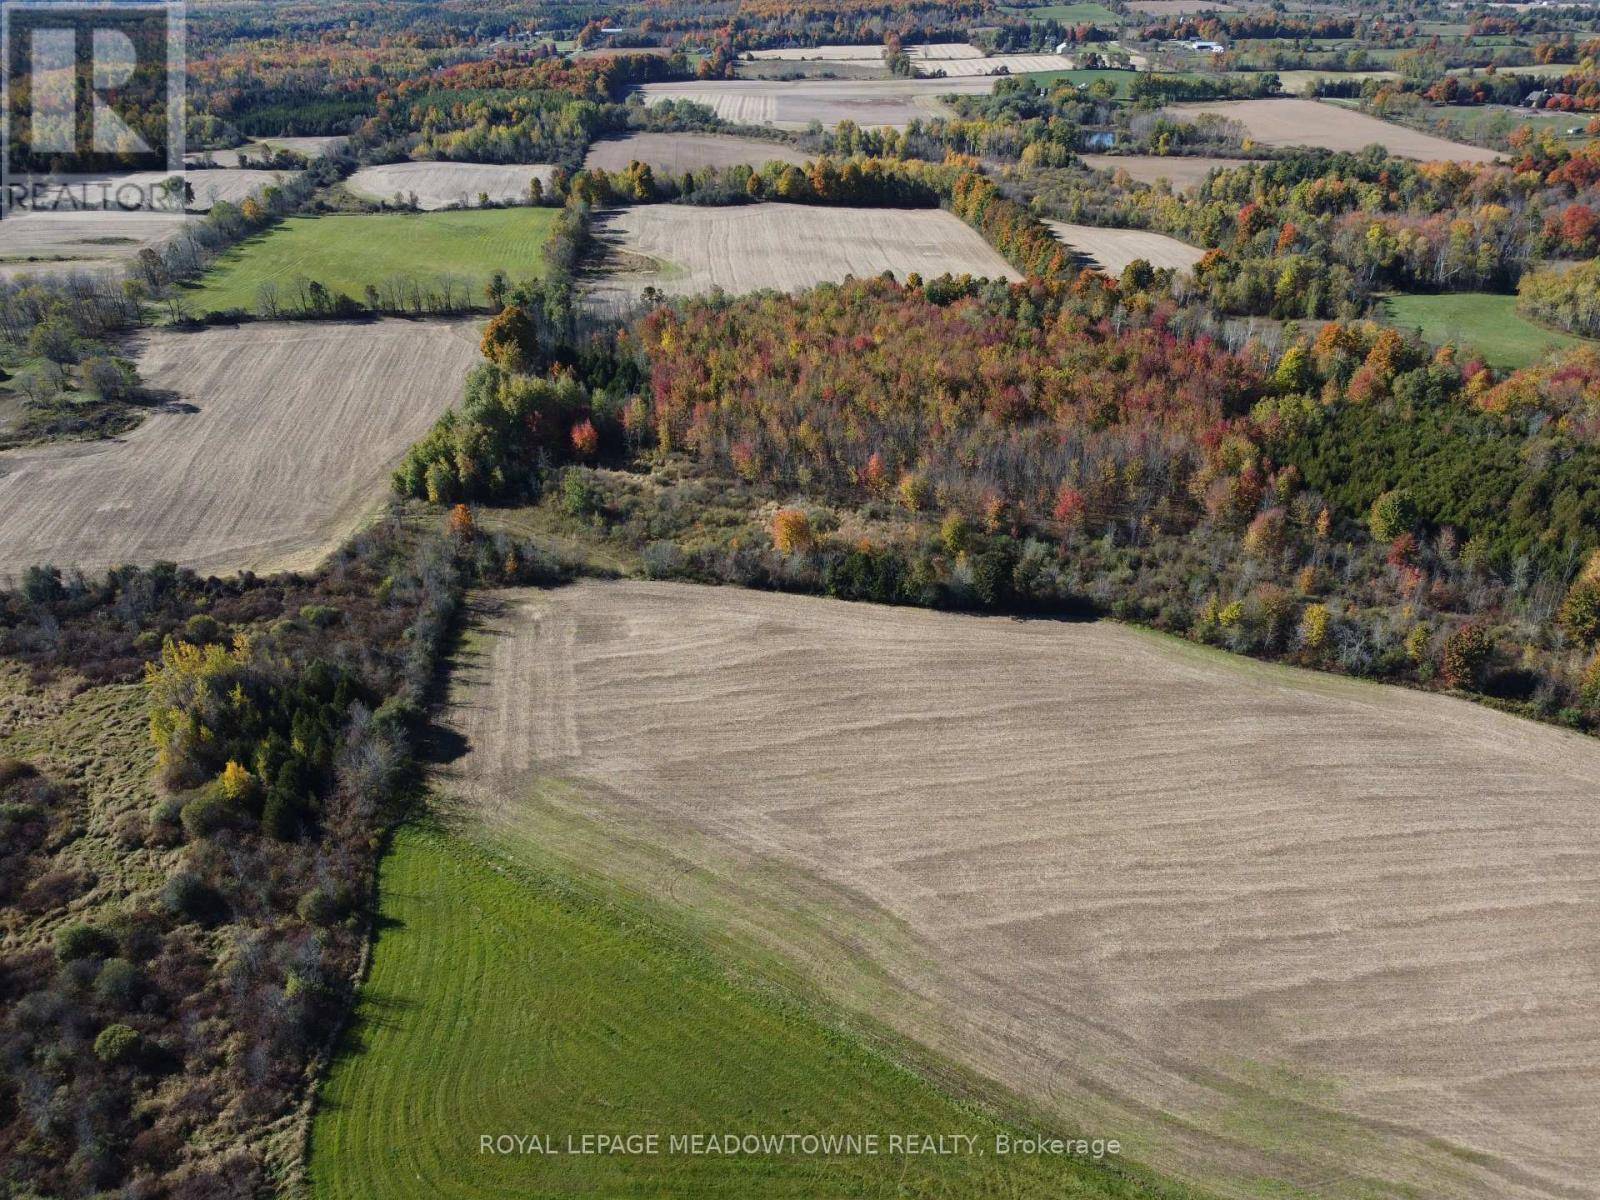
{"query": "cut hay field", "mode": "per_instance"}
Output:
(346, 253)
(1182, 173)
(279, 445)
(509, 999)
(1262, 924)
(998, 64)
(445, 184)
(679, 152)
(1293, 122)
(794, 104)
(1113, 249)
(1479, 322)
(928, 52)
(80, 241)
(683, 249)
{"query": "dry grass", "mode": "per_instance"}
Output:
(1113, 249)
(1265, 925)
(686, 250)
(34, 243)
(1291, 122)
(1183, 174)
(795, 104)
(679, 152)
(283, 444)
(442, 184)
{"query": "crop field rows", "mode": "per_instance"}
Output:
(1291, 122)
(686, 250)
(1289, 913)
(444, 184)
(278, 440)
(794, 104)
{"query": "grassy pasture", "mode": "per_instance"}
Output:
(1481, 321)
(1076, 14)
(508, 1000)
(348, 252)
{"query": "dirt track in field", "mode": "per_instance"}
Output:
(1183, 174)
(683, 249)
(441, 184)
(1291, 122)
(679, 152)
(794, 104)
(1113, 249)
(1258, 923)
(279, 443)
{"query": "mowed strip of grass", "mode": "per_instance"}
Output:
(1479, 321)
(346, 253)
(505, 1001)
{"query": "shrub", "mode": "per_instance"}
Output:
(206, 815)
(117, 1044)
(188, 895)
(81, 940)
(319, 616)
(118, 983)
(1466, 655)
(321, 906)
(1393, 513)
(791, 532)
(1580, 611)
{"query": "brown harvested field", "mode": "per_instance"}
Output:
(1009, 64)
(794, 104)
(1113, 249)
(442, 184)
(1182, 173)
(683, 249)
(35, 243)
(680, 152)
(280, 443)
(929, 52)
(1294, 122)
(1257, 923)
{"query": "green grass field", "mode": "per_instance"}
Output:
(505, 1000)
(1075, 14)
(345, 253)
(1479, 321)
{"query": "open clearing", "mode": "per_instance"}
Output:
(1113, 249)
(345, 253)
(309, 147)
(1293, 122)
(445, 184)
(1182, 173)
(680, 152)
(34, 243)
(281, 443)
(504, 998)
(1260, 923)
(683, 249)
(794, 104)
(1481, 322)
